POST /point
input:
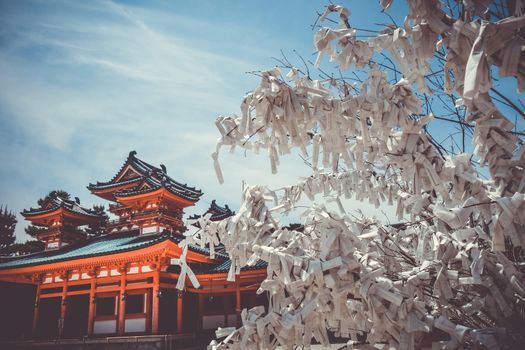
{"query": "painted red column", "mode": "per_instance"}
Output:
(180, 301)
(91, 314)
(36, 310)
(63, 305)
(238, 304)
(122, 301)
(155, 303)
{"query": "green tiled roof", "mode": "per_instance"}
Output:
(225, 267)
(105, 245)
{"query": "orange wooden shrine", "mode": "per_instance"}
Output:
(123, 282)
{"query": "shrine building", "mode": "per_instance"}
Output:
(123, 283)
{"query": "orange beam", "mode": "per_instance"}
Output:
(244, 274)
(106, 279)
(99, 290)
(224, 282)
(222, 290)
(51, 295)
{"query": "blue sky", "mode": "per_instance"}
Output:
(84, 82)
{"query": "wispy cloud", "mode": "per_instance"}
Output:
(83, 83)
(78, 91)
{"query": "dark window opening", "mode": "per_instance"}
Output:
(135, 304)
(51, 290)
(214, 304)
(78, 287)
(168, 280)
(106, 306)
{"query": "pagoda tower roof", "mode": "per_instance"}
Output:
(217, 212)
(136, 177)
(56, 205)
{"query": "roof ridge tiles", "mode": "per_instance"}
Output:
(151, 174)
(58, 202)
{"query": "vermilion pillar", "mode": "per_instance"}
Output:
(179, 311)
(91, 315)
(122, 300)
(155, 304)
(36, 309)
(238, 304)
(63, 305)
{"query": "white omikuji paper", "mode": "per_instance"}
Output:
(352, 276)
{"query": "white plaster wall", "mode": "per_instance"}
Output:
(105, 327)
(135, 325)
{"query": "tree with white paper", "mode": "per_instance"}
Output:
(451, 275)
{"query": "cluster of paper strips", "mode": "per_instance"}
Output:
(446, 279)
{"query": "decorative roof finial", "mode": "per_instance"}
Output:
(132, 153)
(77, 200)
(163, 167)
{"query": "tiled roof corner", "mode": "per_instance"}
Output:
(217, 212)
